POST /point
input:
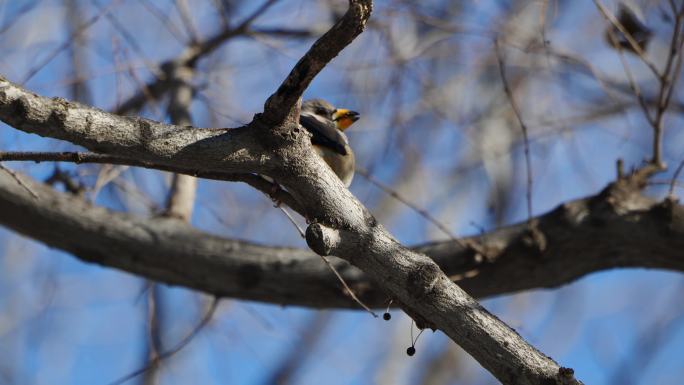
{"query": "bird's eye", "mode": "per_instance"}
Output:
(321, 111)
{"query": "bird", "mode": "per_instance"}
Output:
(327, 124)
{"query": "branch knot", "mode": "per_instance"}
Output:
(322, 240)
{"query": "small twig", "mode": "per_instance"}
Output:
(258, 12)
(523, 126)
(18, 179)
(186, 19)
(673, 181)
(68, 42)
(188, 58)
(620, 169)
(164, 20)
(180, 345)
(668, 79)
(287, 214)
(72, 157)
(17, 15)
(330, 266)
(633, 85)
(414, 340)
(144, 89)
(201, 49)
(253, 180)
(423, 213)
(628, 36)
(347, 288)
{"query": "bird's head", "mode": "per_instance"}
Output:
(342, 117)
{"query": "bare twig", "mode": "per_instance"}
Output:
(294, 223)
(188, 58)
(178, 347)
(523, 126)
(628, 36)
(163, 18)
(280, 32)
(422, 212)
(186, 18)
(72, 157)
(668, 80)
(70, 40)
(347, 289)
(18, 14)
(631, 81)
(673, 181)
(281, 103)
(19, 181)
(255, 181)
(70, 184)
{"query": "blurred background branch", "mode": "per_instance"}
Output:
(437, 130)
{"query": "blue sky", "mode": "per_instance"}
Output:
(64, 321)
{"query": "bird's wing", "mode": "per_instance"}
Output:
(324, 132)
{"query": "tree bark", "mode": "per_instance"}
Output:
(274, 145)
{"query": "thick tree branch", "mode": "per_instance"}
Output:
(250, 273)
(165, 249)
(278, 147)
(582, 236)
(223, 150)
(436, 302)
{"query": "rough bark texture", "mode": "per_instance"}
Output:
(135, 138)
(582, 237)
(279, 105)
(428, 293)
(273, 145)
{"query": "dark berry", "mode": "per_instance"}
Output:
(387, 316)
(411, 351)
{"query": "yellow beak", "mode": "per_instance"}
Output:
(344, 118)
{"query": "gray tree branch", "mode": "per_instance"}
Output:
(582, 236)
(280, 104)
(192, 148)
(272, 190)
(195, 51)
(275, 145)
